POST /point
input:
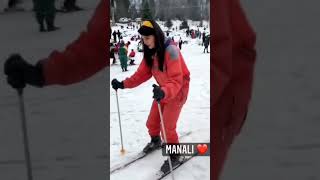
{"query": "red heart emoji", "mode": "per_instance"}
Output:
(202, 148)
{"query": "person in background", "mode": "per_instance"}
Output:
(119, 35)
(12, 5)
(112, 53)
(206, 44)
(114, 34)
(131, 57)
(180, 43)
(45, 13)
(203, 37)
(123, 56)
(127, 45)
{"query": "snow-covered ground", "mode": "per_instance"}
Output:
(280, 139)
(134, 108)
(67, 125)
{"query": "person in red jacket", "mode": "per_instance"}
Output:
(233, 67)
(72, 65)
(163, 61)
(131, 57)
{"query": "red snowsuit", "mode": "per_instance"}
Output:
(132, 54)
(174, 81)
(82, 58)
(233, 66)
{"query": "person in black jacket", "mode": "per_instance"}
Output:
(180, 43)
(114, 36)
(45, 12)
(206, 44)
(12, 4)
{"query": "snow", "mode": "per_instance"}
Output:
(280, 139)
(134, 109)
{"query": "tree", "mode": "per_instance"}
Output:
(168, 23)
(201, 24)
(163, 13)
(152, 6)
(146, 11)
(184, 25)
(122, 7)
(133, 12)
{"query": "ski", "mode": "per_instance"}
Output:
(139, 156)
(134, 159)
(161, 175)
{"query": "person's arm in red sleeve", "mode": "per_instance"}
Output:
(142, 74)
(222, 49)
(175, 75)
(82, 58)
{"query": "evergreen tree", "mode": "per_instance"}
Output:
(146, 11)
(122, 7)
(163, 10)
(168, 23)
(201, 24)
(133, 11)
(152, 6)
(184, 25)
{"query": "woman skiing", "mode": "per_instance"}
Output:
(162, 60)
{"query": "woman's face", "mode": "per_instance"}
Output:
(149, 41)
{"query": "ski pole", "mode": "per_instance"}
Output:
(25, 134)
(122, 149)
(164, 134)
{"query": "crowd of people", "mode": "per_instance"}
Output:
(120, 50)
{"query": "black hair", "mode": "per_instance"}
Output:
(159, 47)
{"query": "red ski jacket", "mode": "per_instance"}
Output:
(174, 80)
(233, 63)
(84, 57)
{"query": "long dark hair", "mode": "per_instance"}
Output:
(159, 47)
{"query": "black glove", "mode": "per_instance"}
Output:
(158, 93)
(19, 72)
(116, 84)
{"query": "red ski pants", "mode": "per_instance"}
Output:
(170, 114)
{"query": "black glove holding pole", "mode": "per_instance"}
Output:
(117, 84)
(158, 93)
(19, 72)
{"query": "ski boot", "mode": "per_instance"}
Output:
(40, 19)
(154, 144)
(176, 159)
(77, 8)
(50, 23)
